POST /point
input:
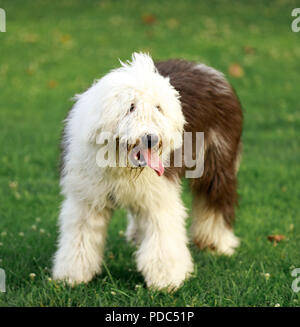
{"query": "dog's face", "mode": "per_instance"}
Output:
(142, 111)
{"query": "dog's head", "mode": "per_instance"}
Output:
(141, 110)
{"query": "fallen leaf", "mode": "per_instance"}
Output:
(249, 50)
(236, 70)
(276, 238)
(148, 19)
(52, 84)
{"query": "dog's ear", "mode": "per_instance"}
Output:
(88, 108)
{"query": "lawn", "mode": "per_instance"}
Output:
(55, 49)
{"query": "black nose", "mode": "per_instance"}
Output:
(150, 140)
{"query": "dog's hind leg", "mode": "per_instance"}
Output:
(210, 230)
(215, 197)
(81, 242)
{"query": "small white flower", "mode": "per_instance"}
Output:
(113, 293)
(32, 276)
(33, 227)
(277, 305)
(42, 231)
(38, 219)
(267, 275)
(21, 234)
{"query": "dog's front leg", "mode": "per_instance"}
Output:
(163, 256)
(81, 242)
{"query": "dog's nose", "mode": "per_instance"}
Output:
(149, 140)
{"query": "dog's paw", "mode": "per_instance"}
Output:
(167, 281)
(167, 275)
(226, 244)
(74, 270)
(71, 277)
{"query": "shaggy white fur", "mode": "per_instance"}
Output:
(92, 189)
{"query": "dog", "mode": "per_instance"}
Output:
(139, 107)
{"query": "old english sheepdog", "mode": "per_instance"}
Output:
(124, 146)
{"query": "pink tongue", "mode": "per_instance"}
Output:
(153, 161)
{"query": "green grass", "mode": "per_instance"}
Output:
(54, 49)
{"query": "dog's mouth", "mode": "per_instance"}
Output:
(140, 157)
